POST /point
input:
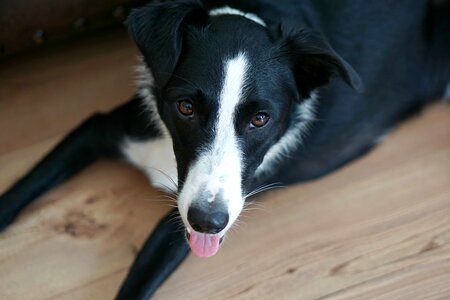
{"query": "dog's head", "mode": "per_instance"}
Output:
(226, 87)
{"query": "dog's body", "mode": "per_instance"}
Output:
(229, 101)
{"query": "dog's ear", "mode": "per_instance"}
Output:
(315, 62)
(158, 29)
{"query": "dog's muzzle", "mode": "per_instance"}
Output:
(211, 220)
(207, 221)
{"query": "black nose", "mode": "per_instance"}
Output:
(206, 221)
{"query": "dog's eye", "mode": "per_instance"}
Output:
(186, 108)
(260, 119)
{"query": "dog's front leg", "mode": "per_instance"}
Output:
(161, 254)
(99, 136)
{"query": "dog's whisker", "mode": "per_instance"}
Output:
(159, 200)
(171, 180)
(179, 88)
(164, 202)
(272, 185)
(173, 199)
(254, 208)
(184, 79)
(175, 220)
(249, 209)
(163, 173)
(264, 188)
(167, 201)
(266, 185)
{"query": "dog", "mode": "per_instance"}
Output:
(234, 96)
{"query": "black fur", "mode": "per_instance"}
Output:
(314, 62)
(158, 32)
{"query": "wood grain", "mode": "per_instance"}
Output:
(377, 229)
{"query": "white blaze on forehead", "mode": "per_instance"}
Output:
(229, 98)
(217, 171)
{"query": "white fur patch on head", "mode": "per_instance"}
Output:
(304, 115)
(226, 10)
(217, 171)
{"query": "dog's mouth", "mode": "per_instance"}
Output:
(204, 244)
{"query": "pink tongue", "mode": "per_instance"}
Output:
(204, 245)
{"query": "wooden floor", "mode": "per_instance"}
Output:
(377, 229)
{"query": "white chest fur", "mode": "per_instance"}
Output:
(154, 157)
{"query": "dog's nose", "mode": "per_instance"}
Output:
(206, 221)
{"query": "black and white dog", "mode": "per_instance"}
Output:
(230, 99)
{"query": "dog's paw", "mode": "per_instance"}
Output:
(5, 221)
(6, 216)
